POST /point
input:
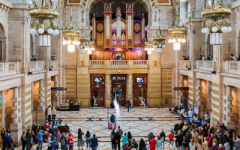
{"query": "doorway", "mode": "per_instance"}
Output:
(119, 89)
(97, 90)
(140, 89)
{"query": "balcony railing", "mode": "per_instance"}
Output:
(36, 66)
(10, 68)
(206, 65)
(54, 64)
(185, 64)
(232, 67)
(118, 63)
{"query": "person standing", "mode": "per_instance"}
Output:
(142, 145)
(9, 143)
(94, 142)
(70, 141)
(170, 137)
(29, 139)
(63, 141)
(128, 104)
(49, 113)
(129, 138)
(92, 99)
(4, 139)
(192, 145)
(159, 143)
(125, 139)
(205, 144)
(112, 119)
(162, 137)
(40, 139)
(237, 142)
(23, 139)
(80, 140)
(112, 138)
(153, 143)
(87, 136)
(120, 131)
(117, 138)
(54, 114)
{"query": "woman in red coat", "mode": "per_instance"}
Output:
(153, 143)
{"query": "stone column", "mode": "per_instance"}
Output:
(16, 126)
(181, 94)
(199, 98)
(4, 51)
(209, 97)
(227, 109)
(41, 105)
(108, 94)
(55, 97)
(129, 92)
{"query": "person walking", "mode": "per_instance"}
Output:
(94, 142)
(159, 143)
(87, 136)
(112, 119)
(54, 114)
(80, 140)
(142, 145)
(128, 103)
(63, 141)
(162, 137)
(112, 138)
(40, 139)
(9, 141)
(23, 139)
(49, 113)
(29, 139)
(170, 137)
(70, 141)
(117, 138)
(125, 139)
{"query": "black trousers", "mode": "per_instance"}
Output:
(117, 143)
(53, 118)
(23, 145)
(49, 118)
(113, 144)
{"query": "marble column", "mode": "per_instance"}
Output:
(108, 94)
(181, 93)
(227, 109)
(41, 101)
(55, 97)
(129, 92)
(16, 126)
(199, 98)
(209, 97)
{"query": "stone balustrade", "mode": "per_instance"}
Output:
(232, 67)
(10, 68)
(185, 64)
(206, 65)
(36, 66)
(54, 64)
(118, 63)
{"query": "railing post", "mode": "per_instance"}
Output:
(6, 67)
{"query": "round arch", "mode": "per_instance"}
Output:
(2, 31)
(147, 3)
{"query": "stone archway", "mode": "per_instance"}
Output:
(2, 42)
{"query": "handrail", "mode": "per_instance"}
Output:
(206, 65)
(10, 68)
(232, 67)
(36, 66)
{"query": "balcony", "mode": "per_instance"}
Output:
(206, 65)
(36, 66)
(184, 64)
(10, 68)
(54, 64)
(232, 67)
(118, 63)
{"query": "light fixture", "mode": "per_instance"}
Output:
(149, 47)
(216, 22)
(44, 21)
(71, 34)
(176, 30)
(159, 40)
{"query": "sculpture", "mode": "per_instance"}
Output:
(108, 6)
(129, 7)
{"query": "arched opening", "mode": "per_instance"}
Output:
(2, 41)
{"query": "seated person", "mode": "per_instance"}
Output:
(190, 113)
(175, 110)
(182, 111)
(56, 124)
(195, 117)
(67, 127)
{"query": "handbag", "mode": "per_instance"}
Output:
(82, 142)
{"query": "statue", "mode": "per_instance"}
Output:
(129, 7)
(108, 6)
(118, 10)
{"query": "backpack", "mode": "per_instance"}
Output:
(63, 142)
(10, 141)
(70, 142)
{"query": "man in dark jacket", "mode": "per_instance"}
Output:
(134, 144)
(29, 139)
(179, 139)
(188, 136)
(117, 137)
(128, 104)
(112, 105)
(112, 119)
(162, 137)
(94, 142)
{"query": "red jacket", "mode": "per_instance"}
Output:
(152, 144)
(72, 137)
(126, 148)
(170, 135)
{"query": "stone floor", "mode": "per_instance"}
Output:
(139, 121)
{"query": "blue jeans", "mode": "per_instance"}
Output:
(40, 144)
(94, 148)
(88, 142)
(128, 108)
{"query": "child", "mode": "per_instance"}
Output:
(220, 147)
